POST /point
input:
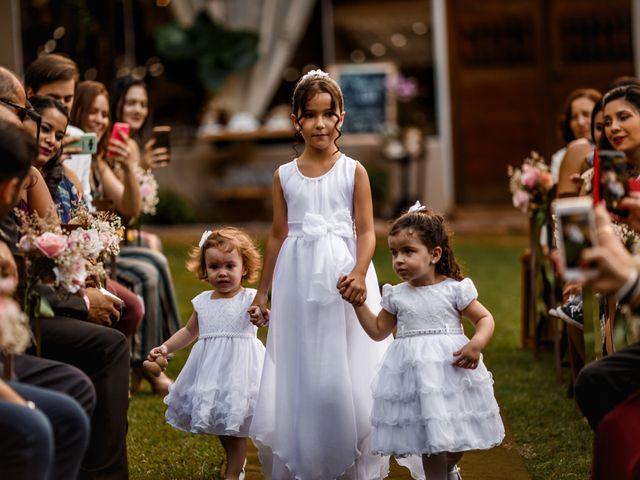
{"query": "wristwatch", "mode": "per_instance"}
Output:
(30, 405)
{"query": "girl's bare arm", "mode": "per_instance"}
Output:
(279, 231)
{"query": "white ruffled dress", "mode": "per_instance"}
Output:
(422, 403)
(216, 390)
(312, 416)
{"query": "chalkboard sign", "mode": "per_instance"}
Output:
(369, 105)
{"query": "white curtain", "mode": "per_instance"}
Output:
(280, 24)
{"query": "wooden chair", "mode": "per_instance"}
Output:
(539, 290)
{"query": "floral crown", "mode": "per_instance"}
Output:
(314, 74)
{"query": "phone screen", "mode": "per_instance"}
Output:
(614, 179)
(162, 136)
(576, 228)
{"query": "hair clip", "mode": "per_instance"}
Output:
(315, 73)
(204, 238)
(417, 207)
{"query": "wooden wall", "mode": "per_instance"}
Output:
(513, 62)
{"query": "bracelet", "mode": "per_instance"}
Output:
(30, 405)
(623, 294)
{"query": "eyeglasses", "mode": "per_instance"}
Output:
(25, 112)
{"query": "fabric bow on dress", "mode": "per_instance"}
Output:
(331, 256)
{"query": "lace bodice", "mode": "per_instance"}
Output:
(434, 308)
(225, 317)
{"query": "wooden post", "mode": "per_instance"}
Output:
(534, 235)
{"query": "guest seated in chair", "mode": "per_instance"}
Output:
(76, 335)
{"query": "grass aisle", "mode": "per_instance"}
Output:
(547, 429)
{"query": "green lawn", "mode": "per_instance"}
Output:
(552, 437)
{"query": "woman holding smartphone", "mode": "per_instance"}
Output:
(130, 104)
(115, 153)
(622, 129)
(141, 269)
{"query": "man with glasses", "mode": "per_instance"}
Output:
(12, 96)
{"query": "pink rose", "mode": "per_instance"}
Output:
(51, 244)
(529, 176)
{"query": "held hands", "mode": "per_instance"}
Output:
(157, 352)
(352, 288)
(154, 157)
(156, 361)
(468, 356)
(258, 311)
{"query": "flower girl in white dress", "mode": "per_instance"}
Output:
(216, 390)
(433, 396)
(312, 416)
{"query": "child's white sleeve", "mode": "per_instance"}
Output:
(387, 301)
(466, 293)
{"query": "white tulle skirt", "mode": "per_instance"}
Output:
(312, 416)
(216, 390)
(422, 404)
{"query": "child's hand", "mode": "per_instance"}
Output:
(468, 356)
(156, 352)
(260, 302)
(353, 288)
(257, 317)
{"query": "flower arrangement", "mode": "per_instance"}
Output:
(148, 191)
(530, 183)
(627, 236)
(70, 256)
(107, 226)
(49, 257)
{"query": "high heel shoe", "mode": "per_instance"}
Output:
(159, 385)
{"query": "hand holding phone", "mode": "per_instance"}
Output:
(86, 144)
(158, 150)
(119, 135)
(614, 179)
(576, 231)
(611, 259)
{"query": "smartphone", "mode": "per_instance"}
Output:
(120, 130)
(162, 137)
(614, 179)
(576, 230)
(87, 144)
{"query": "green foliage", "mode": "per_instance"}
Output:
(172, 209)
(379, 180)
(551, 436)
(208, 48)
